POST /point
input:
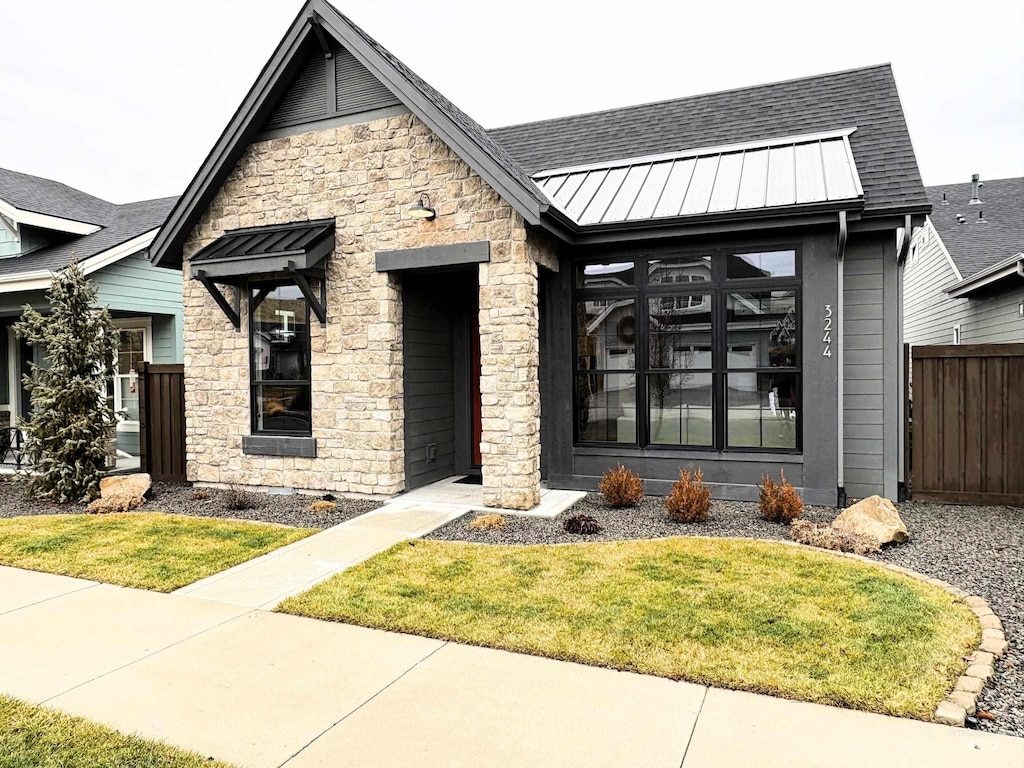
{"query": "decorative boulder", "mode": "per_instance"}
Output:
(875, 517)
(120, 493)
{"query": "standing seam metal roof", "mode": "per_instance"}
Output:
(786, 171)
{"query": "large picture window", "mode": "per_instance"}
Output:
(689, 350)
(279, 354)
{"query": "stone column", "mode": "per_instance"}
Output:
(509, 387)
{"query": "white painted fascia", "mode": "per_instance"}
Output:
(933, 232)
(1014, 265)
(40, 280)
(45, 221)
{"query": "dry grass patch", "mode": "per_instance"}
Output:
(756, 616)
(35, 737)
(144, 550)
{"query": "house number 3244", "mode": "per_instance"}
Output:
(826, 337)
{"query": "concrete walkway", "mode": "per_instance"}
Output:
(261, 689)
(265, 581)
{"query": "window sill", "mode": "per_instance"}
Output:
(276, 445)
(128, 426)
(690, 453)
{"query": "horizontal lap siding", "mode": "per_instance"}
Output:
(135, 285)
(863, 373)
(930, 314)
(429, 383)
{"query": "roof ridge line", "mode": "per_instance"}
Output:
(659, 102)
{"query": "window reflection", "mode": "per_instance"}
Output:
(280, 363)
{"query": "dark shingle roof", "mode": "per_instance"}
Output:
(973, 245)
(125, 223)
(39, 195)
(865, 98)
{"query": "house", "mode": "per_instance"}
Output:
(44, 226)
(380, 293)
(964, 279)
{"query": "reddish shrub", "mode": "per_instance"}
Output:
(779, 502)
(621, 487)
(690, 499)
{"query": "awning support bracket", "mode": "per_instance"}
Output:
(230, 309)
(317, 303)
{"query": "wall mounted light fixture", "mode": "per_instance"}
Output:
(422, 209)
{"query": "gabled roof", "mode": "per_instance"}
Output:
(35, 194)
(976, 246)
(863, 98)
(125, 223)
(458, 130)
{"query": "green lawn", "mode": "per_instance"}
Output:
(756, 616)
(34, 737)
(145, 550)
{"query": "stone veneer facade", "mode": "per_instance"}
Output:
(367, 176)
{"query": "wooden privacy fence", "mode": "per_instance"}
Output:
(968, 424)
(162, 421)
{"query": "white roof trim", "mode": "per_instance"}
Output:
(721, 149)
(45, 221)
(40, 279)
(1005, 268)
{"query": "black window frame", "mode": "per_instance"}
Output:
(718, 287)
(254, 383)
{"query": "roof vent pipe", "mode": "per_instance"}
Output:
(944, 200)
(976, 185)
(960, 219)
(981, 218)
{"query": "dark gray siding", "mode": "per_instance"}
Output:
(864, 369)
(330, 88)
(429, 382)
(930, 314)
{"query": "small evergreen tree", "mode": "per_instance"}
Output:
(72, 414)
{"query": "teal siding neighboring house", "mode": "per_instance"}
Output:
(44, 226)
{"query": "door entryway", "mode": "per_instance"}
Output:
(441, 356)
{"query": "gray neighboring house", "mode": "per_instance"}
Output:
(44, 226)
(380, 293)
(964, 279)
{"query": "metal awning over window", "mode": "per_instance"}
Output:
(293, 251)
(783, 173)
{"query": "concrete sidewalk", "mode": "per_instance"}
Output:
(265, 581)
(261, 689)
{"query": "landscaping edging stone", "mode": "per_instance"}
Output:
(963, 699)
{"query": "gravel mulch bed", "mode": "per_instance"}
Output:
(979, 549)
(205, 502)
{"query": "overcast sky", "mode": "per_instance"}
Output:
(124, 98)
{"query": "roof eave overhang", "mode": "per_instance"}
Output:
(40, 279)
(246, 122)
(26, 218)
(702, 224)
(1009, 267)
